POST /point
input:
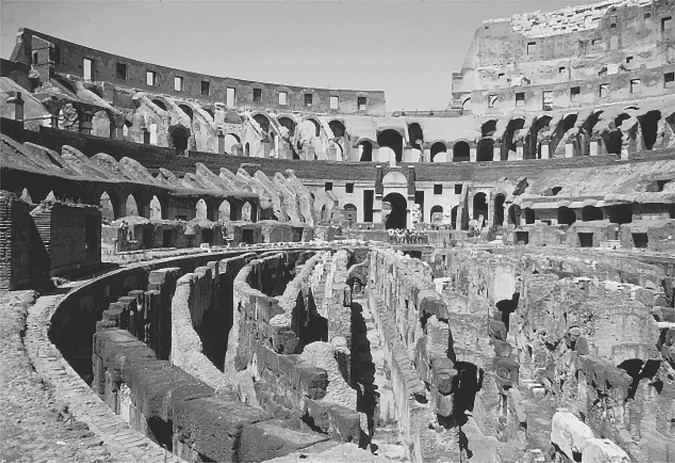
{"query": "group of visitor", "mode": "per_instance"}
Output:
(405, 236)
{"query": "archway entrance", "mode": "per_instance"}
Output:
(480, 206)
(390, 138)
(394, 209)
(461, 152)
(566, 216)
(438, 148)
(155, 208)
(499, 210)
(365, 151)
(179, 138)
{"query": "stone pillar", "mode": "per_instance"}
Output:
(595, 147)
(545, 150)
(496, 153)
(85, 122)
(117, 132)
(17, 102)
(221, 142)
(519, 151)
(569, 150)
(427, 155)
(472, 154)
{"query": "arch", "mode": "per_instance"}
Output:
(566, 216)
(263, 121)
(529, 215)
(230, 140)
(649, 123)
(590, 213)
(155, 208)
(461, 152)
(125, 129)
(436, 214)
(289, 123)
(415, 134)
(453, 217)
(508, 139)
(247, 150)
(488, 128)
(532, 147)
(480, 206)
(397, 210)
(159, 103)
(499, 210)
(231, 117)
(108, 206)
(620, 214)
(131, 206)
(179, 138)
(395, 179)
(224, 211)
(437, 148)
(485, 149)
(350, 213)
(316, 123)
(187, 110)
(101, 124)
(466, 104)
(338, 128)
(246, 212)
(392, 139)
(211, 113)
(201, 210)
(365, 151)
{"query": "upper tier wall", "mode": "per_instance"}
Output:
(67, 58)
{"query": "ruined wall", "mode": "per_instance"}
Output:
(15, 242)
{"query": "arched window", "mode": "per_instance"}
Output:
(438, 148)
(529, 215)
(437, 215)
(392, 139)
(480, 206)
(566, 216)
(201, 210)
(224, 211)
(179, 138)
(365, 151)
(485, 149)
(246, 210)
(155, 208)
(590, 213)
(620, 214)
(131, 206)
(461, 152)
(499, 210)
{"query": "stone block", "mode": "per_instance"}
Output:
(444, 375)
(444, 403)
(603, 451)
(506, 370)
(569, 434)
(497, 330)
(501, 348)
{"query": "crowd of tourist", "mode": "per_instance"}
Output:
(405, 236)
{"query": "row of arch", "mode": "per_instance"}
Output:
(111, 209)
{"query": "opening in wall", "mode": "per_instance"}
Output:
(361, 101)
(669, 80)
(547, 101)
(575, 92)
(206, 87)
(308, 100)
(257, 95)
(334, 102)
(230, 96)
(178, 84)
(150, 78)
(635, 85)
(520, 99)
(283, 98)
(640, 240)
(87, 68)
(603, 90)
(492, 100)
(121, 71)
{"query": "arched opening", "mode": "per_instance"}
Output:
(499, 210)
(537, 134)
(566, 216)
(437, 215)
(125, 130)
(466, 104)
(350, 214)
(391, 138)
(338, 128)
(649, 125)
(415, 135)
(100, 124)
(510, 136)
(461, 152)
(529, 215)
(264, 123)
(246, 210)
(179, 138)
(620, 214)
(480, 206)
(488, 128)
(230, 140)
(160, 104)
(394, 208)
(485, 149)
(514, 215)
(289, 123)
(224, 211)
(155, 208)
(438, 148)
(365, 151)
(131, 206)
(247, 150)
(210, 112)
(107, 207)
(453, 217)
(590, 213)
(201, 210)
(187, 110)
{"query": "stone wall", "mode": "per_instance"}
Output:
(15, 242)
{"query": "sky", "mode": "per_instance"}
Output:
(407, 49)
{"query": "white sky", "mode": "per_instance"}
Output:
(409, 50)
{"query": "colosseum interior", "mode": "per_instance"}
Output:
(214, 269)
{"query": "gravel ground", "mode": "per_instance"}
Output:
(34, 427)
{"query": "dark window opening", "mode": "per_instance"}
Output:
(620, 214)
(207, 236)
(92, 240)
(669, 80)
(368, 196)
(35, 58)
(666, 23)
(257, 95)
(121, 71)
(566, 216)
(586, 240)
(603, 90)
(328, 186)
(522, 237)
(629, 59)
(308, 99)
(529, 215)
(146, 136)
(591, 213)
(247, 236)
(575, 92)
(612, 21)
(458, 189)
(640, 240)
(561, 69)
(167, 238)
(361, 101)
(520, 99)
(661, 184)
(531, 46)
(349, 188)
(206, 87)
(438, 189)
(366, 149)
(647, 15)
(461, 152)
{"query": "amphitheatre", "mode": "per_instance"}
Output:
(201, 268)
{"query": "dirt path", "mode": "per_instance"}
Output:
(33, 426)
